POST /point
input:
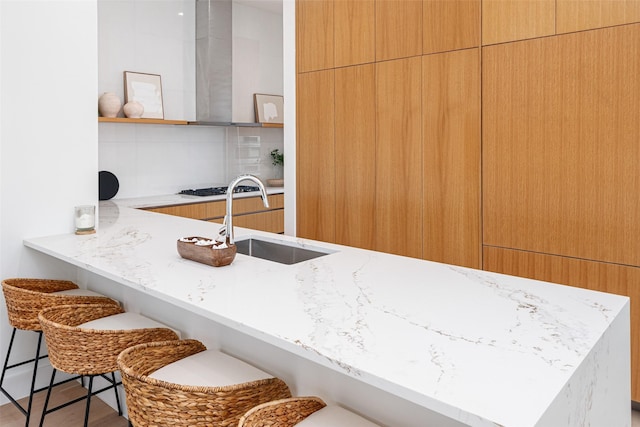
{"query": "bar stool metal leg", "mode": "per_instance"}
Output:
(26, 412)
(86, 411)
(115, 390)
(46, 400)
(90, 393)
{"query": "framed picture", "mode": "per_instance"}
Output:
(147, 90)
(269, 108)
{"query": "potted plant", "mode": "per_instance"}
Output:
(277, 160)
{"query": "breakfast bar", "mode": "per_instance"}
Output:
(459, 346)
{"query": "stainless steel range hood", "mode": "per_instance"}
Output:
(214, 39)
(214, 64)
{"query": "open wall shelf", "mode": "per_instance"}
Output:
(180, 122)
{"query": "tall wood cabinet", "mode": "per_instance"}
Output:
(354, 27)
(493, 134)
(355, 156)
(387, 194)
(315, 163)
(451, 157)
(398, 147)
(450, 25)
(509, 20)
(314, 35)
(577, 15)
(398, 29)
(561, 164)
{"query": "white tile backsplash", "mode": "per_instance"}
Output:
(161, 159)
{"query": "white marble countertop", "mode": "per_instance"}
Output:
(480, 348)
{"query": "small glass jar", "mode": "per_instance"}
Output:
(85, 219)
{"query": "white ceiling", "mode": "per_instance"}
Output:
(273, 6)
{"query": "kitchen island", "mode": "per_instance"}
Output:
(462, 346)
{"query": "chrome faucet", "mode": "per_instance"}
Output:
(227, 228)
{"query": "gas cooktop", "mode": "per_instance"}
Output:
(217, 191)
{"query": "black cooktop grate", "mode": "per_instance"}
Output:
(216, 191)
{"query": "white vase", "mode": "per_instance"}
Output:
(133, 109)
(109, 104)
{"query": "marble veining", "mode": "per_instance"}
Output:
(478, 347)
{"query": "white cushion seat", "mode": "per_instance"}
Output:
(209, 368)
(123, 322)
(79, 292)
(302, 411)
(335, 416)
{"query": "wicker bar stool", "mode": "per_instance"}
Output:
(87, 339)
(308, 411)
(25, 297)
(181, 383)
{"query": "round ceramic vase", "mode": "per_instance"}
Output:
(109, 104)
(133, 109)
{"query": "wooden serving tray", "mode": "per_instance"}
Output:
(217, 254)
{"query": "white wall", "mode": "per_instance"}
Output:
(158, 37)
(48, 137)
(257, 58)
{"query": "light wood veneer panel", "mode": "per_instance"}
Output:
(217, 209)
(354, 32)
(316, 156)
(560, 145)
(576, 15)
(355, 155)
(271, 221)
(451, 161)
(194, 211)
(509, 20)
(314, 35)
(450, 25)
(398, 176)
(398, 29)
(612, 278)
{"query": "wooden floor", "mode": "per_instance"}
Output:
(101, 414)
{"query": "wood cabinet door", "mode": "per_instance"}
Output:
(398, 29)
(561, 151)
(509, 20)
(577, 15)
(314, 35)
(450, 25)
(354, 32)
(598, 276)
(398, 219)
(451, 157)
(271, 221)
(315, 156)
(355, 155)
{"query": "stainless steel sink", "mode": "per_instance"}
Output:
(278, 250)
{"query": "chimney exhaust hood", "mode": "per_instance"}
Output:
(214, 64)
